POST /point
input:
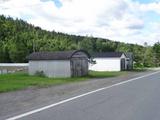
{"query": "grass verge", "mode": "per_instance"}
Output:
(96, 74)
(16, 81)
(139, 69)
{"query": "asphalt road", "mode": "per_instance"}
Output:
(134, 100)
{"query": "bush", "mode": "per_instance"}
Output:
(40, 73)
(138, 65)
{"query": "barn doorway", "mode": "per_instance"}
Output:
(79, 67)
(122, 64)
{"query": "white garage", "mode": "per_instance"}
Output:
(109, 61)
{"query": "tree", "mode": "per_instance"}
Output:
(4, 55)
(18, 39)
(148, 57)
(156, 50)
(86, 44)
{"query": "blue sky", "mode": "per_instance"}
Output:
(145, 1)
(58, 3)
(131, 21)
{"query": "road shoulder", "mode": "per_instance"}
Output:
(17, 102)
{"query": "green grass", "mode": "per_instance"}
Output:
(96, 74)
(16, 81)
(139, 69)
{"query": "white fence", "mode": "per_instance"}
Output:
(14, 64)
(12, 67)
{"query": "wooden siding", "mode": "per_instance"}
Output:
(79, 67)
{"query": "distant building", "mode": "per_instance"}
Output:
(12, 67)
(129, 60)
(110, 61)
(60, 63)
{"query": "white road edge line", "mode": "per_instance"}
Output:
(76, 97)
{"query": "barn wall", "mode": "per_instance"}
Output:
(51, 68)
(126, 62)
(79, 67)
(106, 64)
(130, 61)
(130, 64)
(79, 64)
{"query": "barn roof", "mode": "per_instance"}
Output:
(108, 54)
(57, 55)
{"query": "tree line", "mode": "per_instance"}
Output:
(18, 39)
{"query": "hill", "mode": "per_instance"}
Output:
(18, 39)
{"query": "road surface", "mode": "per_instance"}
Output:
(136, 99)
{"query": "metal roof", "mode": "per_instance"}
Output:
(57, 55)
(108, 54)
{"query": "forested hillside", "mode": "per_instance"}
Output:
(18, 39)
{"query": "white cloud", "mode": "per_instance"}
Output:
(151, 7)
(121, 20)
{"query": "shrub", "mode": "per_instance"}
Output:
(40, 73)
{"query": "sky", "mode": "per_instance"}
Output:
(130, 21)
